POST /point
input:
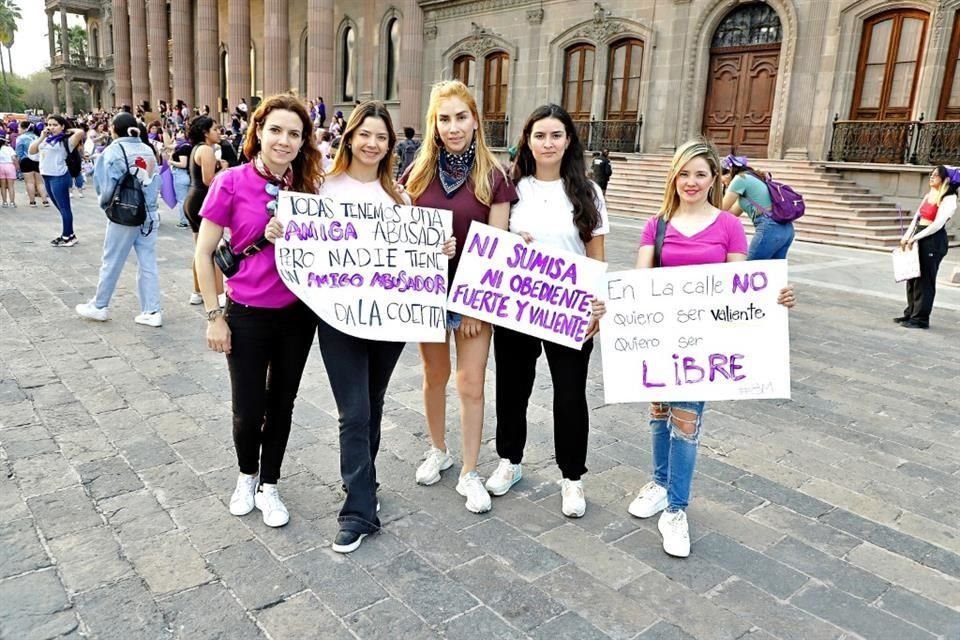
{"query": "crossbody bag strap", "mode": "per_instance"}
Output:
(658, 241)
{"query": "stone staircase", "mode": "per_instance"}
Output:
(839, 212)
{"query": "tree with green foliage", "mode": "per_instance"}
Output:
(9, 17)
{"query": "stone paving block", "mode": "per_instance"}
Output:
(305, 495)
(339, 583)
(120, 425)
(85, 446)
(108, 477)
(168, 563)
(89, 558)
(389, 619)
(568, 626)
(393, 506)
(519, 551)
(35, 607)
(204, 454)
(725, 494)
(204, 405)
(765, 611)
(610, 611)
(785, 497)
(878, 534)
(431, 594)
(322, 460)
(608, 524)
(813, 532)
(12, 505)
(851, 501)
(20, 548)
(174, 484)
(432, 540)
(50, 395)
(830, 570)
(175, 385)
(759, 569)
(249, 570)
(17, 414)
(679, 606)
(733, 525)
(26, 441)
(376, 549)
(854, 614)
(144, 449)
(297, 536)
(209, 524)
(695, 573)
(943, 561)
(480, 623)
(136, 515)
(101, 400)
(609, 565)
(922, 612)
(302, 616)
(44, 473)
(664, 631)
(529, 517)
(518, 602)
(174, 426)
(208, 613)
(904, 572)
(63, 512)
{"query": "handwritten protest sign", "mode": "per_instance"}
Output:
(371, 270)
(710, 332)
(532, 288)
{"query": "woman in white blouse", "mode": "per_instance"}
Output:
(561, 207)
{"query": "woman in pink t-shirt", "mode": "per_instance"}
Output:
(697, 232)
(265, 331)
(455, 170)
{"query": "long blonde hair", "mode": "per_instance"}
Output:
(684, 154)
(368, 109)
(424, 168)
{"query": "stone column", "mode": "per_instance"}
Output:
(64, 40)
(139, 70)
(121, 44)
(411, 67)
(238, 81)
(159, 55)
(276, 44)
(208, 66)
(181, 24)
(52, 36)
(68, 95)
(320, 37)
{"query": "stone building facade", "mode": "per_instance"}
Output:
(767, 78)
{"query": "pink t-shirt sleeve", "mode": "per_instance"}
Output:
(649, 234)
(218, 204)
(736, 236)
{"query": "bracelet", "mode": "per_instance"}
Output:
(213, 314)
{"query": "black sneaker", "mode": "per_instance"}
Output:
(915, 324)
(901, 319)
(69, 242)
(347, 541)
(58, 241)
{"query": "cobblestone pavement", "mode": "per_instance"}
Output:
(834, 515)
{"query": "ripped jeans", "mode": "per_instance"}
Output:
(675, 427)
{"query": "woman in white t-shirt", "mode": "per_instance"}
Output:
(8, 173)
(561, 207)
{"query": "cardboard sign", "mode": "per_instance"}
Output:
(709, 332)
(532, 288)
(369, 269)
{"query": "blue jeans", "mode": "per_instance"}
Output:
(771, 239)
(181, 184)
(117, 242)
(359, 371)
(58, 188)
(674, 452)
(79, 181)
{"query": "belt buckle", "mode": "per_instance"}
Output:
(250, 250)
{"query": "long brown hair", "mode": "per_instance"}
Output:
(307, 168)
(684, 154)
(424, 168)
(368, 109)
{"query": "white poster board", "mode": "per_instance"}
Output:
(709, 332)
(532, 288)
(370, 270)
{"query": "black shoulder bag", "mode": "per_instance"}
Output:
(658, 242)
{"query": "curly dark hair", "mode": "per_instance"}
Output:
(198, 129)
(579, 189)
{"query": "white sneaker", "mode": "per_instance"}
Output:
(573, 504)
(89, 311)
(651, 500)
(436, 460)
(505, 476)
(268, 501)
(676, 534)
(470, 487)
(150, 319)
(196, 298)
(241, 502)
(222, 299)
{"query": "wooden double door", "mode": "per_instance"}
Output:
(739, 105)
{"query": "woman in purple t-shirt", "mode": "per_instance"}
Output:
(697, 232)
(265, 331)
(455, 170)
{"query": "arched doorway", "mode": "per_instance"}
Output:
(744, 58)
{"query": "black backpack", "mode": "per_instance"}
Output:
(128, 204)
(74, 159)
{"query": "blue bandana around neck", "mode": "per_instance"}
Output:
(455, 169)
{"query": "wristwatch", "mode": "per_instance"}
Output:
(213, 314)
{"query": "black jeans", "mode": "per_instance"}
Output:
(516, 356)
(359, 371)
(269, 349)
(921, 291)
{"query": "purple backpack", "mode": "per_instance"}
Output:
(787, 204)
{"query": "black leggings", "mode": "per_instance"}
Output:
(269, 349)
(921, 291)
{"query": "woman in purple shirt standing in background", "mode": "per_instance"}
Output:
(697, 232)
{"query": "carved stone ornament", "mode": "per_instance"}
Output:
(535, 16)
(601, 27)
(430, 32)
(481, 40)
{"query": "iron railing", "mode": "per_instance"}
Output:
(80, 60)
(495, 132)
(583, 131)
(615, 135)
(896, 141)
